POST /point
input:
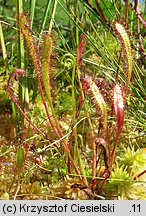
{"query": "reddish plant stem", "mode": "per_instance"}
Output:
(126, 14)
(80, 50)
(35, 55)
(106, 173)
(137, 12)
(103, 182)
(44, 101)
(140, 174)
(11, 92)
(53, 127)
(101, 13)
(38, 71)
(96, 182)
(139, 35)
(22, 72)
(113, 152)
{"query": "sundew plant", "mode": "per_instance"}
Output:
(72, 100)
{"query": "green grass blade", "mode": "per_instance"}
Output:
(48, 5)
(4, 53)
(32, 10)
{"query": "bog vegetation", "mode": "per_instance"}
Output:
(72, 99)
